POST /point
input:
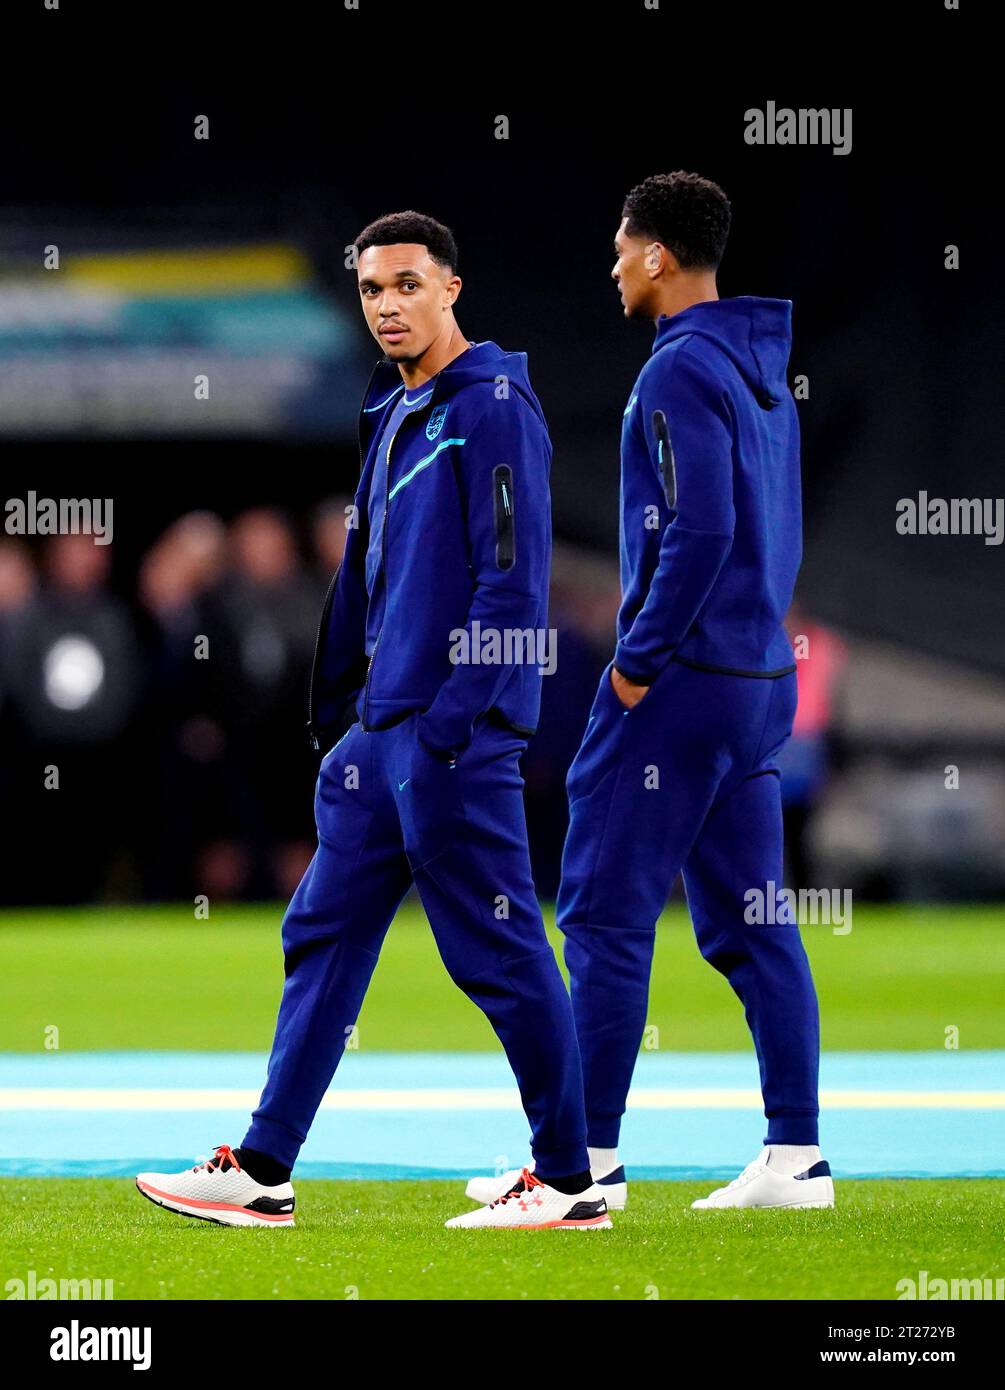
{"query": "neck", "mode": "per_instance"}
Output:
(683, 290)
(441, 351)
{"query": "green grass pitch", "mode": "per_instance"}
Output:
(142, 978)
(385, 1240)
(130, 978)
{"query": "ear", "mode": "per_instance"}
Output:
(653, 258)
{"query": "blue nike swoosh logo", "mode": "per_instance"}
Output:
(404, 784)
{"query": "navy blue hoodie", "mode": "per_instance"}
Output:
(467, 540)
(711, 530)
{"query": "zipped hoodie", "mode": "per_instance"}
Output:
(711, 528)
(466, 553)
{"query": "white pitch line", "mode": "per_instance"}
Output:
(485, 1098)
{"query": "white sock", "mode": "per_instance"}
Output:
(791, 1159)
(603, 1161)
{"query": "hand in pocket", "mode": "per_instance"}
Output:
(627, 691)
(429, 800)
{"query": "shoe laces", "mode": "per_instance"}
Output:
(751, 1171)
(223, 1158)
(524, 1183)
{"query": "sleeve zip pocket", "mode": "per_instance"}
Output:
(502, 479)
(667, 465)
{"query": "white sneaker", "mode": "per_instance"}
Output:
(761, 1186)
(531, 1204)
(221, 1191)
(613, 1184)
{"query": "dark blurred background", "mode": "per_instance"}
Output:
(226, 257)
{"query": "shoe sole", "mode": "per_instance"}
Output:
(598, 1223)
(771, 1206)
(219, 1213)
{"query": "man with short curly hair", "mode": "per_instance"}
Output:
(677, 771)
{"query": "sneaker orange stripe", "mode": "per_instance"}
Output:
(215, 1206)
(552, 1225)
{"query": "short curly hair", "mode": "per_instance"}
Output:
(411, 227)
(686, 213)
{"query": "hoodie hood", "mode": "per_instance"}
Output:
(480, 362)
(755, 334)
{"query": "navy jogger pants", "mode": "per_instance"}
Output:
(390, 813)
(684, 782)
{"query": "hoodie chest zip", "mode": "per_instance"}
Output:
(383, 569)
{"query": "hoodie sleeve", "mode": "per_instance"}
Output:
(504, 468)
(700, 531)
(340, 660)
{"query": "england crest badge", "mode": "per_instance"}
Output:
(435, 422)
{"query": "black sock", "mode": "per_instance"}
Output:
(268, 1171)
(576, 1182)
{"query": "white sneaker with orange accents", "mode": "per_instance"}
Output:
(220, 1190)
(531, 1204)
(611, 1180)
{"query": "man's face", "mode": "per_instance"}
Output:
(406, 297)
(635, 256)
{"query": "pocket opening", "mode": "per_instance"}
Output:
(504, 515)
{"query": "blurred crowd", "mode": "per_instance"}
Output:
(153, 711)
(153, 725)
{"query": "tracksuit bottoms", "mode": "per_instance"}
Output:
(390, 813)
(684, 782)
